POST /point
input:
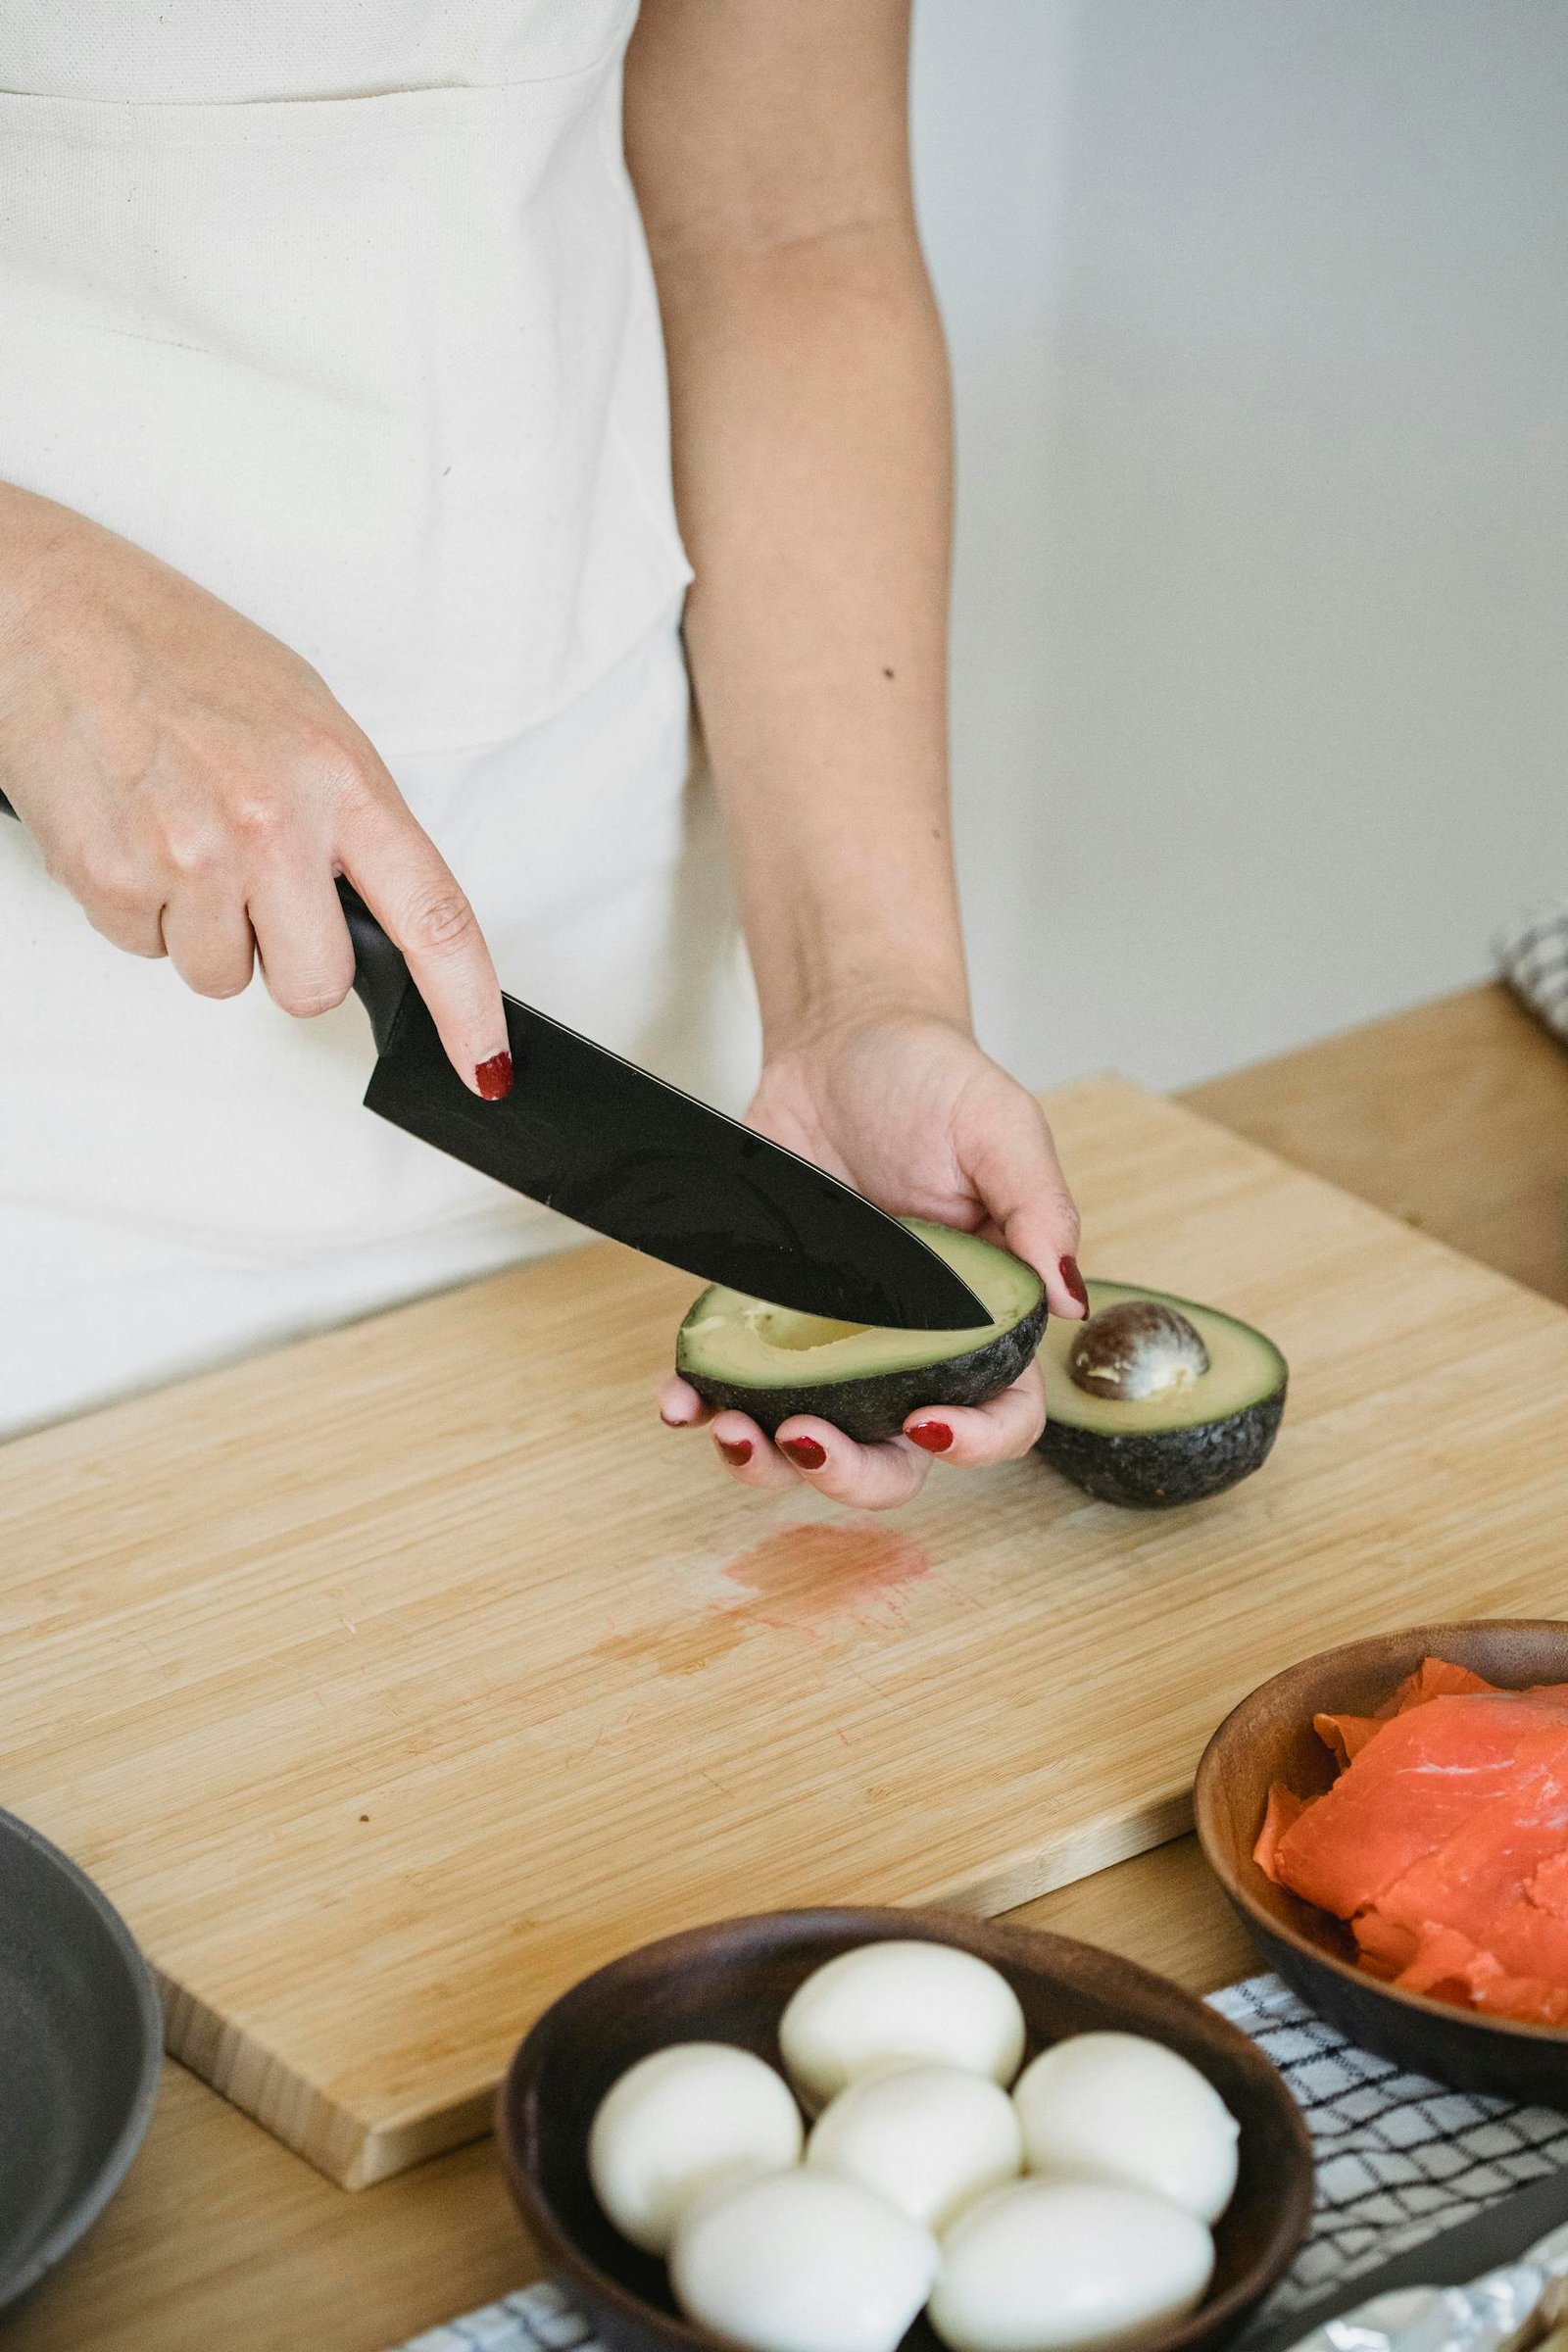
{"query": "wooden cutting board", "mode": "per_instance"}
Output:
(392, 1680)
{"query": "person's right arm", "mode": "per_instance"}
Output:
(196, 787)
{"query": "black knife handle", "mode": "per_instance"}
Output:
(381, 978)
(380, 975)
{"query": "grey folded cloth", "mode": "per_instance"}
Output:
(1532, 954)
(1397, 2158)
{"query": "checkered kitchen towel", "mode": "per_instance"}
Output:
(1532, 954)
(1398, 2158)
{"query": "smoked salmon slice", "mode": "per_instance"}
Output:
(1435, 1678)
(1443, 1841)
(1345, 1735)
(1285, 1809)
(1407, 1791)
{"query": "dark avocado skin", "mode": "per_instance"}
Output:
(879, 1407)
(1150, 1469)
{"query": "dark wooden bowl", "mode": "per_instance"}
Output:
(731, 1983)
(1270, 1737)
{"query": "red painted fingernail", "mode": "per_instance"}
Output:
(735, 1450)
(935, 1436)
(804, 1450)
(669, 1424)
(1075, 1282)
(492, 1078)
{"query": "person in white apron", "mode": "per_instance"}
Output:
(337, 535)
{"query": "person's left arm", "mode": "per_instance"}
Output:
(812, 470)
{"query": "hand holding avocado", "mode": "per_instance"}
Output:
(910, 1111)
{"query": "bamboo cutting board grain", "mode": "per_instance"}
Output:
(390, 1681)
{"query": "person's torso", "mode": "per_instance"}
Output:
(343, 307)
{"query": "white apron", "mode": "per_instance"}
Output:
(343, 307)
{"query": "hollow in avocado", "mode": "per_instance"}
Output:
(769, 1362)
(1156, 1400)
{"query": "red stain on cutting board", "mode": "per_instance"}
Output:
(813, 1578)
(809, 1581)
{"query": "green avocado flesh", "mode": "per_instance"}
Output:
(769, 1362)
(1194, 1440)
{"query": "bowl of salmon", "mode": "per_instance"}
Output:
(1390, 1820)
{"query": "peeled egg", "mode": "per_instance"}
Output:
(928, 2138)
(899, 2000)
(678, 2124)
(1047, 2266)
(802, 2262)
(1119, 2107)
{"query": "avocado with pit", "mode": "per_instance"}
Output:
(742, 1354)
(1156, 1400)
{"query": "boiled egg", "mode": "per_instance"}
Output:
(681, 2122)
(899, 2000)
(802, 2262)
(1046, 2265)
(1121, 2107)
(928, 2138)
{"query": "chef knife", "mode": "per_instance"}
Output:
(611, 1146)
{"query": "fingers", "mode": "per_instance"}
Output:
(867, 1477)
(978, 1435)
(210, 943)
(680, 1407)
(133, 926)
(410, 889)
(123, 902)
(307, 957)
(1014, 1169)
(748, 1455)
(738, 1441)
(189, 777)
(807, 1452)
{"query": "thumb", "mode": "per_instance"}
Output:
(1014, 1168)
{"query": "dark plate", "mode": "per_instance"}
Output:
(1270, 1737)
(731, 1983)
(80, 2048)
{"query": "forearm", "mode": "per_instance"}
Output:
(812, 463)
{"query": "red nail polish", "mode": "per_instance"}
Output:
(735, 1450)
(804, 1450)
(935, 1436)
(1075, 1282)
(492, 1078)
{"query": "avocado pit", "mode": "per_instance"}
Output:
(1139, 1347)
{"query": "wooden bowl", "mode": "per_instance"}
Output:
(1270, 1737)
(731, 1983)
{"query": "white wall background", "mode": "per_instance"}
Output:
(1260, 321)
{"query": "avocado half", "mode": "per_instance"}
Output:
(1206, 1432)
(769, 1362)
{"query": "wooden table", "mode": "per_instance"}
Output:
(1453, 1115)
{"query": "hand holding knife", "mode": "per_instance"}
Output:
(613, 1148)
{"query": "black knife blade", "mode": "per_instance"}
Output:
(613, 1148)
